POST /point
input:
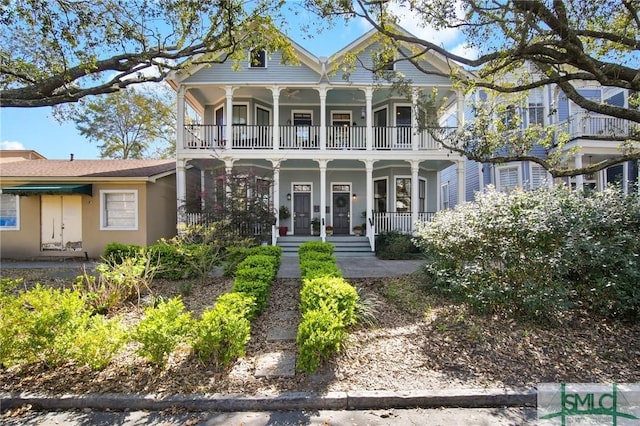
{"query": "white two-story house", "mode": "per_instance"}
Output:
(343, 151)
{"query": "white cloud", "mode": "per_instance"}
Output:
(465, 51)
(11, 145)
(413, 23)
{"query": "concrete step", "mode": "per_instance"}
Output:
(345, 245)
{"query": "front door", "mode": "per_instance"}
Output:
(341, 213)
(302, 213)
(61, 222)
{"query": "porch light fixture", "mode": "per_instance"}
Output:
(355, 197)
(288, 197)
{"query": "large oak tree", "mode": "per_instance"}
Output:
(59, 51)
(519, 45)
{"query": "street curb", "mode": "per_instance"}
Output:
(287, 401)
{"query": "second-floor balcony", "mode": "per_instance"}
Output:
(594, 126)
(205, 136)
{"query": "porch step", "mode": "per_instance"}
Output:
(345, 246)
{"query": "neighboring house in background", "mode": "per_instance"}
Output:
(10, 155)
(342, 151)
(594, 137)
(77, 207)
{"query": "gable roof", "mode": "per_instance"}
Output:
(87, 169)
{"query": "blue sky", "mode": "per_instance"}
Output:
(36, 129)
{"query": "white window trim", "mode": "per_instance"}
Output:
(395, 192)
(341, 111)
(266, 60)
(17, 227)
(386, 184)
(444, 186)
(103, 192)
(509, 166)
(301, 111)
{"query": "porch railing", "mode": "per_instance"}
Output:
(246, 229)
(594, 125)
(398, 221)
(393, 138)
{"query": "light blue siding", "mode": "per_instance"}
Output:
(275, 72)
(449, 175)
(616, 100)
(472, 179)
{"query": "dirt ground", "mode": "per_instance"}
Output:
(417, 342)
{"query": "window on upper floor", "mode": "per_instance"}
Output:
(9, 212)
(536, 114)
(119, 210)
(258, 58)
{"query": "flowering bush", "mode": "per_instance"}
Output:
(538, 253)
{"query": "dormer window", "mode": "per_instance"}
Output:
(386, 63)
(257, 58)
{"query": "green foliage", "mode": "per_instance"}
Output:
(177, 260)
(320, 334)
(535, 254)
(233, 257)
(395, 245)
(98, 341)
(7, 285)
(258, 290)
(117, 252)
(317, 256)
(223, 332)
(335, 292)
(254, 276)
(315, 246)
(116, 282)
(316, 268)
(39, 325)
(161, 329)
(273, 251)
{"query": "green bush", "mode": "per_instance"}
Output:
(317, 256)
(170, 260)
(39, 325)
(336, 292)
(223, 332)
(98, 341)
(117, 252)
(258, 290)
(273, 251)
(315, 246)
(161, 329)
(233, 257)
(536, 254)
(257, 268)
(320, 334)
(314, 269)
(396, 245)
(115, 282)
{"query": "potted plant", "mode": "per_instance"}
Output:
(357, 230)
(315, 226)
(283, 214)
(329, 229)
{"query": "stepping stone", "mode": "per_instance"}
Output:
(276, 334)
(276, 364)
(286, 315)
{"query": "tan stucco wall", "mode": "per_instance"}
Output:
(156, 219)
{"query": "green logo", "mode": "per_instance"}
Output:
(589, 402)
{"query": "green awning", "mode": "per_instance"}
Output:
(48, 188)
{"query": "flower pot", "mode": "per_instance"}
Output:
(283, 230)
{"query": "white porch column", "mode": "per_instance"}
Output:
(577, 161)
(181, 193)
(228, 169)
(368, 96)
(203, 189)
(414, 119)
(322, 91)
(229, 107)
(276, 189)
(461, 181)
(323, 197)
(415, 185)
(275, 91)
(180, 119)
(460, 107)
(369, 194)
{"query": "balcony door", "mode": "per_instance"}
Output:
(403, 127)
(380, 128)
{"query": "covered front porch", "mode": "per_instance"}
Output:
(320, 197)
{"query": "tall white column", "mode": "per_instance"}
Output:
(229, 107)
(577, 161)
(181, 194)
(415, 197)
(228, 169)
(369, 183)
(461, 181)
(323, 197)
(414, 119)
(275, 91)
(180, 119)
(276, 189)
(322, 91)
(460, 107)
(368, 96)
(203, 189)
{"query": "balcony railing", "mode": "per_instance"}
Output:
(398, 221)
(395, 138)
(594, 125)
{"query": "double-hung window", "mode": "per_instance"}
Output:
(119, 210)
(9, 212)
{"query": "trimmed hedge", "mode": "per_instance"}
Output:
(317, 246)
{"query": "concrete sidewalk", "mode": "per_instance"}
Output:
(356, 267)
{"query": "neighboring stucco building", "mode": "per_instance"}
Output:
(77, 207)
